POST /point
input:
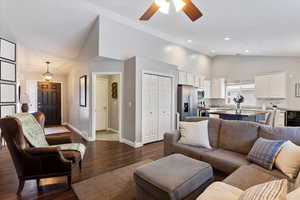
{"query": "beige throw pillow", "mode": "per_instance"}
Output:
(288, 160)
(194, 133)
(220, 191)
(275, 190)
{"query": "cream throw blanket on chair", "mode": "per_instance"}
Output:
(34, 133)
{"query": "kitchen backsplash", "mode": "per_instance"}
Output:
(259, 103)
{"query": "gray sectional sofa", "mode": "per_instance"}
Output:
(231, 142)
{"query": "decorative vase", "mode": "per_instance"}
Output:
(238, 108)
(25, 107)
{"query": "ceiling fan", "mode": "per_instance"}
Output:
(163, 6)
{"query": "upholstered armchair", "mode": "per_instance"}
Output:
(37, 163)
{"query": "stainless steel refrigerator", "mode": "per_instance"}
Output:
(187, 101)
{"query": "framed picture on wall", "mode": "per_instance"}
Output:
(8, 71)
(82, 91)
(7, 50)
(6, 110)
(114, 90)
(8, 93)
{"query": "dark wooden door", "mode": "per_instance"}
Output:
(49, 102)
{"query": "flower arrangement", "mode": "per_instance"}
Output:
(238, 100)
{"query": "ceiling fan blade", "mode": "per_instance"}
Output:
(150, 12)
(191, 10)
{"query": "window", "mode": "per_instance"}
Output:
(246, 90)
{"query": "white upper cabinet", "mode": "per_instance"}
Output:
(190, 79)
(217, 88)
(201, 82)
(196, 81)
(271, 86)
(206, 88)
(262, 84)
(278, 86)
(182, 78)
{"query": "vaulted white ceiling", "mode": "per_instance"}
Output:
(56, 29)
(52, 30)
(264, 27)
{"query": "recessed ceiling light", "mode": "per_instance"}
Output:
(227, 38)
(247, 51)
(189, 41)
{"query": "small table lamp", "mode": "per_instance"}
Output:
(24, 100)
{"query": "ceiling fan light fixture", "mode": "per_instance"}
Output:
(179, 5)
(164, 5)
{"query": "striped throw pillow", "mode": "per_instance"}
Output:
(264, 152)
(275, 190)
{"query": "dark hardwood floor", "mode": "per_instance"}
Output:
(100, 157)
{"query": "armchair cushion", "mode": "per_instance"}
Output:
(56, 139)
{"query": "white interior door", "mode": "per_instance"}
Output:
(101, 104)
(32, 93)
(164, 106)
(149, 108)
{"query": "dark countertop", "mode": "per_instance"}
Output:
(246, 113)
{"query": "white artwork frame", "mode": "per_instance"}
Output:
(7, 50)
(8, 71)
(6, 110)
(8, 93)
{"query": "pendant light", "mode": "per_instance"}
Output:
(48, 75)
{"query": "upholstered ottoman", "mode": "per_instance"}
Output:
(173, 177)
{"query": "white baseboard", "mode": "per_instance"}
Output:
(113, 130)
(130, 143)
(82, 134)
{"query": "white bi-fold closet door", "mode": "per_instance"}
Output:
(156, 108)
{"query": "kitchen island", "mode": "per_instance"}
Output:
(244, 115)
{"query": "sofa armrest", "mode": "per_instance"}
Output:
(56, 139)
(170, 139)
(40, 118)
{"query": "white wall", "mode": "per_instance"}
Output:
(4, 28)
(122, 42)
(235, 68)
(132, 101)
(79, 117)
(106, 51)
